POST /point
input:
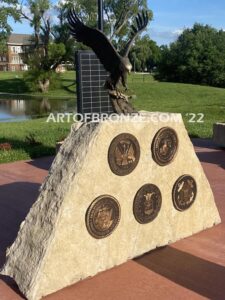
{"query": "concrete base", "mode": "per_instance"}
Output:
(219, 134)
(54, 239)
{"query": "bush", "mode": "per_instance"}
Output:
(197, 56)
(40, 80)
(42, 64)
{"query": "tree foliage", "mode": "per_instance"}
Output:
(8, 8)
(60, 31)
(52, 41)
(41, 74)
(118, 17)
(145, 55)
(120, 14)
(197, 56)
(47, 53)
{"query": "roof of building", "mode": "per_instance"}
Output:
(20, 39)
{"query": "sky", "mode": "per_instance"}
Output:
(171, 17)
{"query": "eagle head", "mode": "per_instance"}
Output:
(127, 64)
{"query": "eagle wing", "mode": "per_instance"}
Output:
(96, 40)
(141, 23)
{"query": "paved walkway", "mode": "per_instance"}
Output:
(193, 268)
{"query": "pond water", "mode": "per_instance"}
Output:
(19, 109)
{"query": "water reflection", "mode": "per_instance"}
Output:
(23, 109)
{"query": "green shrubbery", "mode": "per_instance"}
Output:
(39, 80)
(197, 56)
(42, 75)
(145, 54)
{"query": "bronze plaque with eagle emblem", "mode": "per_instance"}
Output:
(123, 154)
(102, 216)
(184, 192)
(147, 203)
(164, 146)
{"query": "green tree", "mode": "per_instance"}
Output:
(51, 37)
(8, 8)
(197, 56)
(42, 75)
(53, 43)
(38, 19)
(60, 31)
(47, 53)
(118, 16)
(145, 55)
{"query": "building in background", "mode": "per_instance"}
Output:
(17, 46)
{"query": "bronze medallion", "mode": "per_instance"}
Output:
(147, 203)
(184, 192)
(123, 154)
(164, 146)
(102, 216)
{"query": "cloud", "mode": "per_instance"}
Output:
(165, 35)
(177, 32)
(60, 3)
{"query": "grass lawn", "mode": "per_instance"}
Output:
(12, 82)
(45, 134)
(150, 95)
(186, 99)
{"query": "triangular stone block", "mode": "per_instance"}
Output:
(117, 189)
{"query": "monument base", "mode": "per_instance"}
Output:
(219, 134)
(116, 189)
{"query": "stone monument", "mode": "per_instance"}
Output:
(116, 189)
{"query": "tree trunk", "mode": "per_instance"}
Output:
(44, 85)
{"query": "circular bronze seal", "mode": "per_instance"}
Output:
(184, 192)
(123, 154)
(102, 216)
(147, 203)
(164, 146)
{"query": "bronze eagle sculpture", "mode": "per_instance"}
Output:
(117, 65)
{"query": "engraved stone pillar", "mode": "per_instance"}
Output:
(116, 190)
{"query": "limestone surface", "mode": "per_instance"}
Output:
(219, 134)
(54, 249)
